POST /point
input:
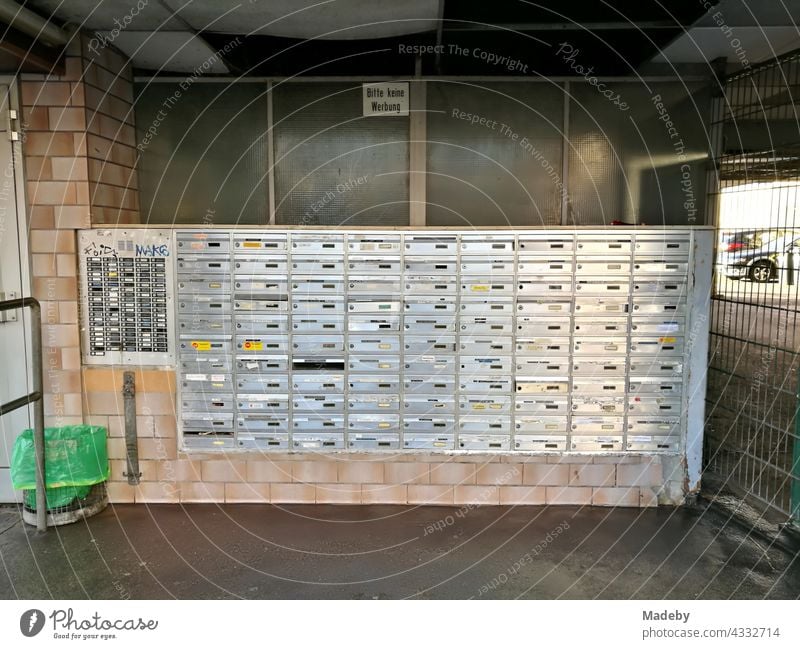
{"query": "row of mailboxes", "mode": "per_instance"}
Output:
(535, 341)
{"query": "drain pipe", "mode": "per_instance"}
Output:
(32, 24)
(131, 440)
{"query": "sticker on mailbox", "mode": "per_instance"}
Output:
(253, 345)
(201, 345)
(667, 339)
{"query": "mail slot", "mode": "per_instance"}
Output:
(374, 403)
(654, 405)
(538, 244)
(663, 326)
(606, 327)
(375, 423)
(602, 266)
(318, 244)
(428, 404)
(433, 441)
(374, 265)
(264, 402)
(551, 367)
(317, 441)
(374, 244)
(262, 306)
(600, 345)
(203, 265)
(429, 324)
(594, 306)
(319, 422)
(207, 403)
(485, 365)
(211, 439)
(496, 307)
(258, 364)
(486, 384)
(541, 285)
(534, 326)
(318, 305)
(598, 405)
(653, 443)
(649, 345)
(597, 425)
(317, 265)
(374, 441)
(317, 323)
(438, 384)
(253, 343)
(319, 403)
(659, 426)
(487, 266)
(378, 344)
(488, 286)
(657, 306)
(544, 307)
(261, 441)
(205, 345)
(657, 367)
(429, 344)
(529, 385)
(600, 386)
(203, 242)
(484, 442)
(378, 286)
(429, 306)
(486, 244)
(653, 386)
(545, 265)
(317, 382)
(212, 324)
(316, 286)
(431, 424)
(374, 383)
(543, 346)
(425, 266)
(495, 424)
(537, 424)
(203, 305)
(494, 404)
(481, 325)
(260, 265)
(262, 422)
(373, 363)
(264, 243)
(430, 364)
(373, 323)
(604, 245)
(262, 383)
(540, 443)
(600, 368)
(596, 443)
(661, 244)
(485, 345)
(670, 289)
(260, 286)
(430, 285)
(373, 306)
(602, 287)
(250, 323)
(541, 404)
(216, 422)
(660, 266)
(205, 364)
(427, 245)
(210, 286)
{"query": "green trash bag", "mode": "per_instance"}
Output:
(74, 457)
(57, 496)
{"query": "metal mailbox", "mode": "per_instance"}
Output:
(496, 307)
(209, 440)
(487, 266)
(374, 265)
(215, 285)
(648, 385)
(662, 326)
(545, 265)
(374, 402)
(270, 402)
(539, 404)
(374, 423)
(599, 386)
(598, 405)
(540, 285)
(320, 323)
(317, 286)
(540, 442)
(257, 364)
(373, 344)
(263, 441)
(260, 243)
(430, 424)
(373, 363)
(482, 325)
(600, 345)
(319, 344)
(317, 382)
(437, 384)
(602, 266)
(317, 265)
(534, 326)
(539, 367)
(670, 289)
(596, 443)
(318, 305)
(657, 367)
(318, 244)
(203, 265)
(430, 285)
(544, 308)
(207, 403)
(429, 306)
(485, 404)
(488, 286)
(203, 242)
(426, 266)
(543, 346)
(378, 286)
(318, 422)
(658, 306)
(428, 404)
(373, 306)
(604, 245)
(250, 323)
(486, 384)
(481, 424)
(657, 426)
(663, 266)
(654, 405)
(431, 245)
(538, 244)
(429, 364)
(594, 306)
(208, 422)
(320, 403)
(666, 244)
(530, 385)
(606, 327)
(651, 345)
(262, 306)
(487, 244)
(484, 442)
(205, 364)
(211, 324)
(486, 365)
(208, 344)
(262, 383)
(203, 305)
(374, 244)
(302, 440)
(262, 344)
(375, 384)
(261, 286)
(599, 368)
(263, 423)
(597, 425)
(383, 441)
(485, 345)
(537, 424)
(429, 324)
(259, 266)
(653, 443)
(602, 287)
(429, 344)
(422, 441)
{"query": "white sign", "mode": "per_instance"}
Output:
(385, 99)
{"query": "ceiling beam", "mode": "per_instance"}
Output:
(452, 26)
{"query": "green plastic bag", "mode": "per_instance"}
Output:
(74, 456)
(57, 496)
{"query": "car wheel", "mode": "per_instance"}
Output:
(761, 271)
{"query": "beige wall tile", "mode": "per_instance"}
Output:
(292, 493)
(569, 495)
(527, 495)
(120, 493)
(421, 494)
(158, 492)
(314, 471)
(104, 403)
(45, 93)
(648, 497)
(393, 494)
(155, 403)
(224, 470)
(157, 448)
(179, 470)
(406, 473)
(640, 475)
(66, 118)
(545, 474)
(453, 473)
(476, 495)
(592, 475)
(165, 426)
(247, 493)
(360, 472)
(341, 493)
(500, 474)
(616, 496)
(268, 471)
(71, 358)
(202, 492)
(71, 216)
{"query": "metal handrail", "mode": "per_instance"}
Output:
(35, 398)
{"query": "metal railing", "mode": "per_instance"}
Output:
(35, 398)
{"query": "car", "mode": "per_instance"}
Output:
(754, 255)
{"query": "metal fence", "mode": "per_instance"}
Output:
(752, 443)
